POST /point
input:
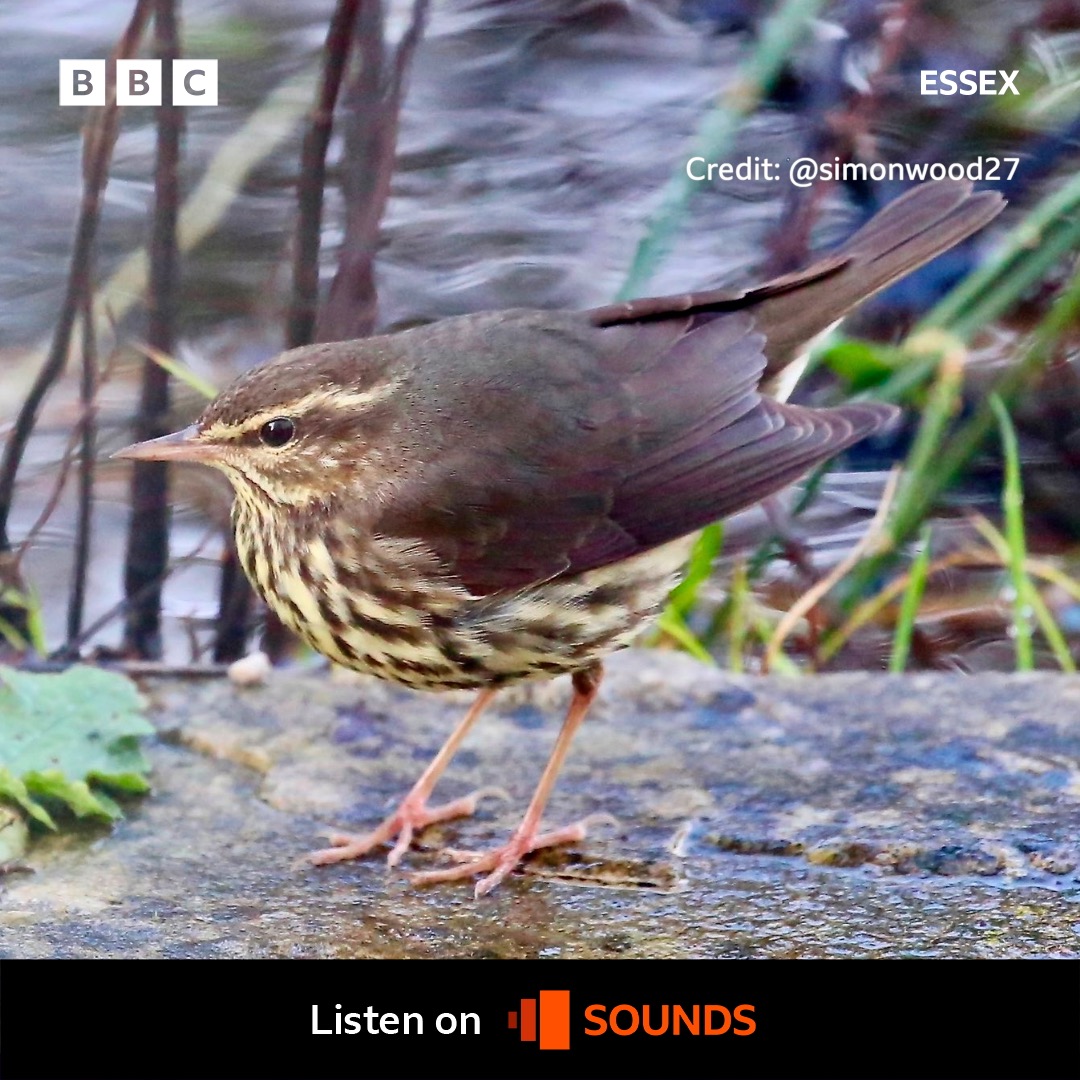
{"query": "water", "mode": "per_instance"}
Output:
(534, 142)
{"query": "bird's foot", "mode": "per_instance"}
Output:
(499, 862)
(409, 818)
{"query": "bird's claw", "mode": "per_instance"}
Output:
(412, 816)
(498, 863)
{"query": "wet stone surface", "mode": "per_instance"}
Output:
(848, 815)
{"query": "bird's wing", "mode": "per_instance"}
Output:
(566, 442)
(603, 444)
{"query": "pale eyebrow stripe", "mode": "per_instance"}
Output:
(316, 399)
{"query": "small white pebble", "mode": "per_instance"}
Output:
(250, 670)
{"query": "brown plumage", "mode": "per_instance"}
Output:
(510, 495)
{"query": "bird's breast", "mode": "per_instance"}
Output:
(373, 605)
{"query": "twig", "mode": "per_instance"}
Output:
(148, 534)
(300, 323)
(233, 160)
(871, 538)
(61, 474)
(87, 430)
(98, 141)
(49, 507)
(371, 128)
(72, 647)
(235, 601)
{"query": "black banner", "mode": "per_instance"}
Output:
(194, 1019)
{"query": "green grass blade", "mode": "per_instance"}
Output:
(1051, 631)
(781, 32)
(180, 371)
(1012, 504)
(738, 621)
(672, 624)
(684, 596)
(1047, 232)
(909, 607)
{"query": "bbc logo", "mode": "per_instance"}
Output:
(139, 82)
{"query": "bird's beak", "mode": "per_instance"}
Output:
(184, 445)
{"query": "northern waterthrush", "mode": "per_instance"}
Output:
(510, 496)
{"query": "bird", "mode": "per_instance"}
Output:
(504, 496)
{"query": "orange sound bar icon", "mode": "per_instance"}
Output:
(551, 1018)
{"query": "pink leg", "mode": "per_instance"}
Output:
(527, 837)
(414, 813)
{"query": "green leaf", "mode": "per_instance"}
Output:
(13, 789)
(683, 598)
(66, 737)
(862, 364)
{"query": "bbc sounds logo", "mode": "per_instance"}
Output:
(548, 1023)
(549, 1019)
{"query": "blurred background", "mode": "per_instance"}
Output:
(478, 154)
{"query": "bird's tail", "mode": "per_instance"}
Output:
(792, 310)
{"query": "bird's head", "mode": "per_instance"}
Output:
(296, 431)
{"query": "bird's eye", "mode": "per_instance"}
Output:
(277, 432)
